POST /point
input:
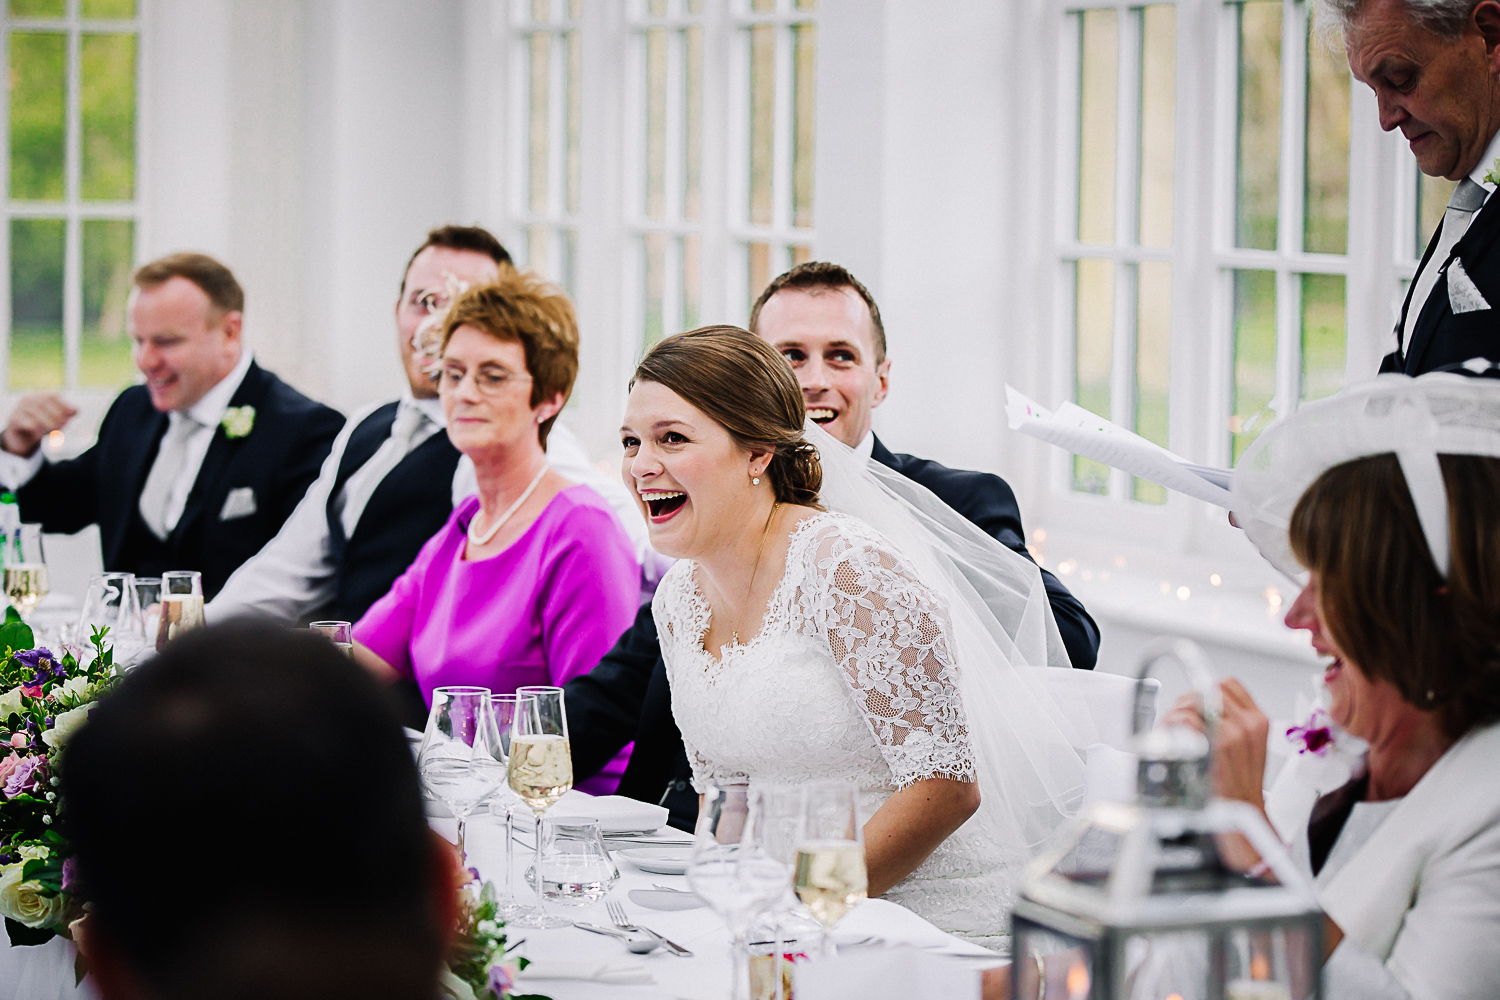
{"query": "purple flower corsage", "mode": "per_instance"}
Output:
(1315, 736)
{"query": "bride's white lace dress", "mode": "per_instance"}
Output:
(850, 678)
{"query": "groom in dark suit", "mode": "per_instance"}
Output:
(827, 326)
(197, 468)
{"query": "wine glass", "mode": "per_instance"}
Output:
(25, 569)
(830, 877)
(504, 801)
(181, 605)
(458, 760)
(148, 599)
(110, 603)
(541, 772)
(733, 870)
(341, 634)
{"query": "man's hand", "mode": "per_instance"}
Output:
(35, 417)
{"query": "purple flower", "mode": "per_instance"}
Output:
(33, 657)
(500, 981)
(24, 778)
(1316, 736)
(70, 874)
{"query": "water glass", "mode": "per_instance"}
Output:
(830, 874)
(148, 599)
(111, 604)
(732, 870)
(25, 569)
(458, 759)
(576, 868)
(541, 772)
(181, 605)
(341, 634)
(503, 802)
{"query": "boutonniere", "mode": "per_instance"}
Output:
(238, 421)
(1493, 176)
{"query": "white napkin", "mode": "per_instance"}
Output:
(616, 971)
(615, 813)
(897, 973)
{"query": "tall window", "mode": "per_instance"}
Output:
(667, 211)
(1118, 241)
(70, 191)
(775, 104)
(1289, 232)
(549, 112)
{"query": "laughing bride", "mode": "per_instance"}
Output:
(829, 620)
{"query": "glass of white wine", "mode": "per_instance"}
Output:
(181, 605)
(541, 772)
(25, 569)
(830, 876)
(735, 868)
(341, 634)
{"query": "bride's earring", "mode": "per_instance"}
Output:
(754, 480)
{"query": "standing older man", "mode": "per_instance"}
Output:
(393, 476)
(1435, 68)
(828, 327)
(196, 469)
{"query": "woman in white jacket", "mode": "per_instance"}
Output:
(1402, 553)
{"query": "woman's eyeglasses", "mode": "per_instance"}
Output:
(489, 381)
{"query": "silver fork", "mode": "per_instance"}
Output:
(617, 914)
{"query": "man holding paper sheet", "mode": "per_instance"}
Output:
(1434, 66)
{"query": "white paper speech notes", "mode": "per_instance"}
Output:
(1463, 295)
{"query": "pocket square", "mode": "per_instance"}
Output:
(239, 503)
(1463, 295)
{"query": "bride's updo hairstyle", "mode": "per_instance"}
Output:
(748, 389)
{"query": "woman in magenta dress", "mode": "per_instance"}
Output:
(532, 580)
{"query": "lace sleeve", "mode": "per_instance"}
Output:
(889, 635)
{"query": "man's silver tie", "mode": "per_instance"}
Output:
(1467, 199)
(409, 423)
(170, 459)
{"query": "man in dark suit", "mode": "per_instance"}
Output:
(827, 325)
(197, 468)
(1435, 71)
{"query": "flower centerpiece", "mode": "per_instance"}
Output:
(45, 699)
(478, 965)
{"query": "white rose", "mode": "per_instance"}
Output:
(24, 903)
(64, 726)
(10, 703)
(35, 852)
(73, 686)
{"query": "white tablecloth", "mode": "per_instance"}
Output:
(705, 976)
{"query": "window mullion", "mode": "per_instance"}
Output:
(73, 239)
(1290, 223)
(1127, 190)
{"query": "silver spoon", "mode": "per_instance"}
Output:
(638, 944)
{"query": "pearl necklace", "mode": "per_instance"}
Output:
(484, 539)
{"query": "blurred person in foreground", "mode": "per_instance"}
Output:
(826, 324)
(197, 468)
(532, 580)
(1391, 489)
(1434, 66)
(394, 475)
(292, 807)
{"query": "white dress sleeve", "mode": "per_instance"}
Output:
(889, 636)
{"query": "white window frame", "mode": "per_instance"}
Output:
(73, 208)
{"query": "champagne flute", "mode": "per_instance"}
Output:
(110, 603)
(541, 772)
(181, 605)
(25, 569)
(457, 759)
(734, 867)
(148, 599)
(503, 712)
(341, 634)
(830, 877)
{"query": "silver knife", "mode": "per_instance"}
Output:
(671, 946)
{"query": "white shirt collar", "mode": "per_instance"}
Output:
(1487, 163)
(866, 448)
(209, 410)
(432, 407)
